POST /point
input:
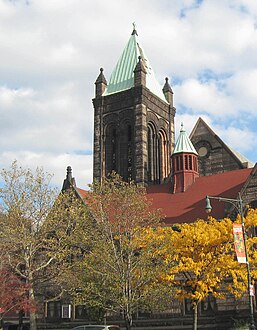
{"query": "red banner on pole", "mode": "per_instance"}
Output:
(239, 243)
(251, 290)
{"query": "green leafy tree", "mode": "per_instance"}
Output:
(118, 272)
(36, 230)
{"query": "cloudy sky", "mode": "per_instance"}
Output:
(51, 52)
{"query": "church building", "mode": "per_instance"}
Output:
(134, 135)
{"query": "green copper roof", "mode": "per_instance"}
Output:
(183, 143)
(122, 77)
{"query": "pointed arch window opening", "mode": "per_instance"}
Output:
(110, 152)
(118, 151)
(150, 152)
(158, 160)
(129, 153)
(125, 151)
(163, 159)
(114, 143)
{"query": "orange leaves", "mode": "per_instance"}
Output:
(121, 205)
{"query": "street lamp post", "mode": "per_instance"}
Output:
(238, 204)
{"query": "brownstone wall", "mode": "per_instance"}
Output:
(136, 107)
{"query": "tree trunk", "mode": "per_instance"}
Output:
(32, 321)
(128, 320)
(195, 314)
(32, 315)
(128, 323)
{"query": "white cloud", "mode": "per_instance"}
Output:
(242, 140)
(51, 52)
(242, 85)
(204, 97)
(55, 164)
(54, 119)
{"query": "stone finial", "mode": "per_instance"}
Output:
(140, 73)
(167, 91)
(69, 174)
(100, 83)
(140, 65)
(69, 180)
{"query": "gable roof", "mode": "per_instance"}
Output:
(240, 159)
(122, 77)
(189, 206)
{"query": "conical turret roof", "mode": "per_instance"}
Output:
(183, 143)
(122, 77)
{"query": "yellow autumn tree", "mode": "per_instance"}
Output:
(250, 226)
(201, 255)
(250, 221)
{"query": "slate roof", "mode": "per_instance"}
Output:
(189, 206)
(122, 77)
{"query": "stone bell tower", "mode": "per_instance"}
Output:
(133, 120)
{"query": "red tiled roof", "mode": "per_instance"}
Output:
(190, 205)
(82, 193)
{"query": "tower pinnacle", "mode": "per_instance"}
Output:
(134, 29)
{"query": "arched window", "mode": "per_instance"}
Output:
(110, 149)
(151, 152)
(126, 151)
(163, 156)
(129, 154)
(158, 158)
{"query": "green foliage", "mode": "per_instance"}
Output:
(240, 325)
(117, 272)
(37, 229)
